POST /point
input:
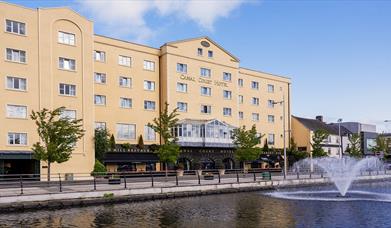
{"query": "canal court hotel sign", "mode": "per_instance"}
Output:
(204, 81)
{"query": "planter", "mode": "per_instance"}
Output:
(221, 172)
(114, 180)
(199, 172)
(208, 177)
(179, 172)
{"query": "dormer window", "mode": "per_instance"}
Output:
(199, 51)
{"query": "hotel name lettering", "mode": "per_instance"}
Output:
(204, 81)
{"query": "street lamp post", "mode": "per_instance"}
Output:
(340, 138)
(284, 133)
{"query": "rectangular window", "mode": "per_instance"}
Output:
(17, 111)
(255, 116)
(100, 78)
(126, 131)
(16, 83)
(206, 91)
(270, 139)
(125, 82)
(149, 85)
(181, 87)
(66, 64)
(100, 125)
(240, 98)
(149, 133)
(206, 109)
(124, 60)
(16, 55)
(210, 54)
(241, 115)
(17, 138)
(149, 65)
(227, 76)
(227, 111)
(15, 27)
(199, 51)
(254, 85)
(255, 101)
(68, 114)
(99, 56)
(270, 88)
(240, 82)
(227, 94)
(67, 89)
(270, 118)
(181, 68)
(182, 106)
(270, 103)
(100, 99)
(205, 72)
(125, 102)
(149, 105)
(66, 38)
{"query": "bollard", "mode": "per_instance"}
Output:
(310, 174)
(176, 178)
(218, 174)
(21, 185)
(297, 173)
(94, 183)
(199, 179)
(152, 179)
(125, 182)
(59, 181)
(255, 177)
(321, 174)
(237, 176)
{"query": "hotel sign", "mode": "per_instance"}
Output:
(204, 81)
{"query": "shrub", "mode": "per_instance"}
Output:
(99, 167)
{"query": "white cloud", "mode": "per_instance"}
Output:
(128, 17)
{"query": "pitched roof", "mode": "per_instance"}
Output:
(314, 125)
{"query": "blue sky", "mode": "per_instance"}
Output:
(338, 53)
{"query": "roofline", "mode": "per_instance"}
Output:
(263, 72)
(129, 42)
(21, 6)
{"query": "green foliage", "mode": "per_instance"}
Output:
(265, 146)
(108, 195)
(245, 142)
(58, 136)
(140, 143)
(196, 163)
(294, 152)
(168, 153)
(99, 167)
(219, 164)
(317, 141)
(112, 142)
(102, 143)
(165, 123)
(126, 146)
(354, 149)
(381, 146)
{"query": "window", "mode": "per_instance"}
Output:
(67, 89)
(255, 116)
(126, 131)
(125, 82)
(182, 106)
(181, 87)
(240, 98)
(241, 115)
(16, 55)
(149, 105)
(227, 76)
(100, 56)
(240, 82)
(100, 99)
(227, 111)
(270, 103)
(66, 64)
(100, 125)
(68, 114)
(205, 72)
(100, 78)
(254, 85)
(149, 65)
(124, 60)
(206, 109)
(270, 139)
(66, 38)
(270, 88)
(17, 111)
(210, 54)
(15, 27)
(270, 118)
(17, 138)
(199, 51)
(149, 85)
(16, 83)
(149, 133)
(125, 102)
(181, 68)
(206, 91)
(227, 94)
(255, 101)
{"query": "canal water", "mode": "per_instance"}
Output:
(250, 209)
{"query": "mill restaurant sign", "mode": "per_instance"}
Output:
(204, 81)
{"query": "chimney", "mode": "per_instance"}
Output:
(319, 118)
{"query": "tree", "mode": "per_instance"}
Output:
(168, 151)
(354, 148)
(293, 153)
(58, 136)
(112, 142)
(140, 143)
(381, 146)
(265, 146)
(102, 143)
(246, 142)
(317, 140)
(99, 167)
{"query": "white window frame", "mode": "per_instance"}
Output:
(149, 133)
(149, 85)
(101, 54)
(227, 76)
(66, 64)
(127, 79)
(125, 102)
(101, 76)
(21, 142)
(102, 98)
(68, 114)
(208, 109)
(149, 65)
(208, 94)
(240, 99)
(149, 105)
(180, 105)
(271, 139)
(13, 79)
(200, 52)
(124, 60)
(181, 68)
(227, 94)
(270, 103)
(21, 27)
(227, 111)
(255, 101)
(270, 88)
(9, 111)
(66, 38)
(71, 88)
(255, 85)
(180, 85)
(255, 115)
(240, 115)
(130, 135)
(205, 72)
(240, 82)
(210, 54)
(271, 119)
(100, 125)
(15, 55)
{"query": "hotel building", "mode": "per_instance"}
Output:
(52, 58)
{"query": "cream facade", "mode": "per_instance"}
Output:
(52, 58)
